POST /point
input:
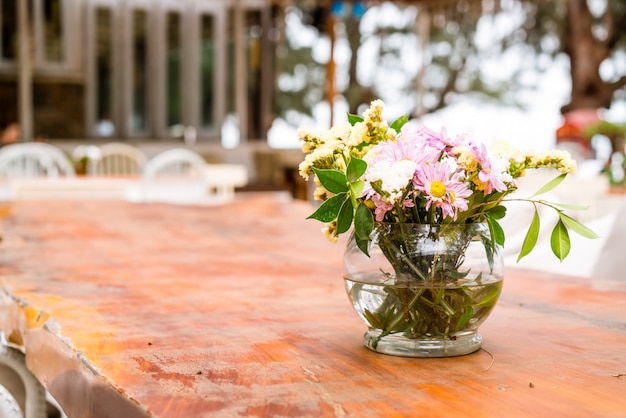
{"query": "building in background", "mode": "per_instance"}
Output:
(138, 69)
(155, 73)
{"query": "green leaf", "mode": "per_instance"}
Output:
(488, 243)
(354, 119)
(363, 222)
(397, 124)
(373, 319)
(559, 240)
(570, 207)
(329, 210)
(490, 298)
(345, 216)
(530, 240)
(362, 243)
(334, 181)
(550, 185)
(496, 231)
(356, 168)
(577, 227)
(497, 212)
(356, 190)
(465, 316)
(363, 227)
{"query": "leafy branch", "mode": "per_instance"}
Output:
(346, 205)
(559, 238)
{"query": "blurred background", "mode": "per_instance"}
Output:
(234, 79)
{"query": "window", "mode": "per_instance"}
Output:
(253, 43)
(207, 71)
(139, 71)
(164, 71)
(246, 94)
(173, 57)
(53, 46)
(231, 76)
(8, 30)
(104, 72)
(57, 36)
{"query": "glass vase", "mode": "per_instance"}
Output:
(423, 290)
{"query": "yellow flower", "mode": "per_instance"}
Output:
(330, 231)
(357, 135)
(466, 159)
(320, 194)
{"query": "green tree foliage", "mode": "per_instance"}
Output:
(454, 40)
(300, 75)
(592, 34)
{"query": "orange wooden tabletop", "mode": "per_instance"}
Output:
(129, 310)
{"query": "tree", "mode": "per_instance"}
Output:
(454, 49)
(595, 40)
(591, 33)
(447, 48)
(300, 75)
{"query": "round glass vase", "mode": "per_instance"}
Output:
(423, 290)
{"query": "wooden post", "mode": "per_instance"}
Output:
(25, 66)
(241, 74)
(330, 70)
(423, 33)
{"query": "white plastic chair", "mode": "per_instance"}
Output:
(34, 159)
(117, 159)
(177, 176)
(182, 176)
(176, 163)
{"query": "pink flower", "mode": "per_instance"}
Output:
(439, 141)
(442, 188)
(392, 166)
(383, 206)
(401, 149)
(490, 179)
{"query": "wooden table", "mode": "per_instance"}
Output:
(134, 310)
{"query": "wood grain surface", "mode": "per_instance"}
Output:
(148, 310)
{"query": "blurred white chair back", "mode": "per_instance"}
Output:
(176, 163)
(117, 159)
(175, 176)
(34, 159)
(182, 176)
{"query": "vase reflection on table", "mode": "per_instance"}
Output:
(423, 266)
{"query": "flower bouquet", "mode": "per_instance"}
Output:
(423, 263)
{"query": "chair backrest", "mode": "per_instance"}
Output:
(117, 159)
(176, 163)
(34, 159)
(176, 176)
(182, 176)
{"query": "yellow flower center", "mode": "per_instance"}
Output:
(437, 189)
